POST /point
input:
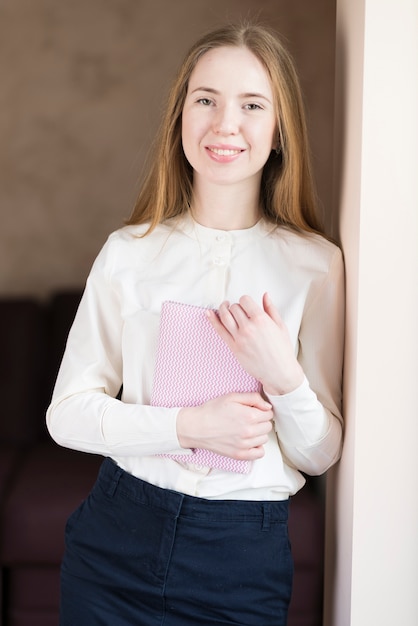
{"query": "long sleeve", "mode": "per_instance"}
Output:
(84, 413)
(308, 420)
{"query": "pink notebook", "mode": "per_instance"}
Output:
(193, 366)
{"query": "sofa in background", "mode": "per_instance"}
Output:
(41, 483)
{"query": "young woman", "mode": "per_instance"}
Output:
(226, 221)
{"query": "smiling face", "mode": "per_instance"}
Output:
(228, 121)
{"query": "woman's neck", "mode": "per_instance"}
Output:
(225, 207)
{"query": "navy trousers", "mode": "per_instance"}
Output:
(139, 555)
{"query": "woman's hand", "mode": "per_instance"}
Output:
(235, 425)
(260, 340)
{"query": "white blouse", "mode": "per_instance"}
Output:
(114, 337)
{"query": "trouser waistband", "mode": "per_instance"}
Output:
(112, 478)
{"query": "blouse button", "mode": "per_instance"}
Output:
(219, 260)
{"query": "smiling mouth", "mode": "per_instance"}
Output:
(225, 151)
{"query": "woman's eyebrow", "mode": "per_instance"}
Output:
(207, 89)
(251, 94)
(247, 94)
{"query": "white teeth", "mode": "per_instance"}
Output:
(224, 152)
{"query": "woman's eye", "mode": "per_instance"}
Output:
(205, 101)
(252, 106)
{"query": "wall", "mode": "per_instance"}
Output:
(81, 89)
(372, 555)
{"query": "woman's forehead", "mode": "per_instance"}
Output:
(230, 66)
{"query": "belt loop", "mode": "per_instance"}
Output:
(266, 517)
(114, 482)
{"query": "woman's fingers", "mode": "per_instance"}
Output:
(271, 310)
(260, 341)
(235, 317)
(237, 425)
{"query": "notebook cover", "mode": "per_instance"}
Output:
(194, 365)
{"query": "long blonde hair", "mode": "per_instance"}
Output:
(287, 191)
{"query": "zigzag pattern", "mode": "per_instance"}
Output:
(195, 365)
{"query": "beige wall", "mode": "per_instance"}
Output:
(372, 566)
(80, 94)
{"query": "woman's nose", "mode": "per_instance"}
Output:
(225, 121)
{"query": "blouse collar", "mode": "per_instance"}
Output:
(188, 225)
